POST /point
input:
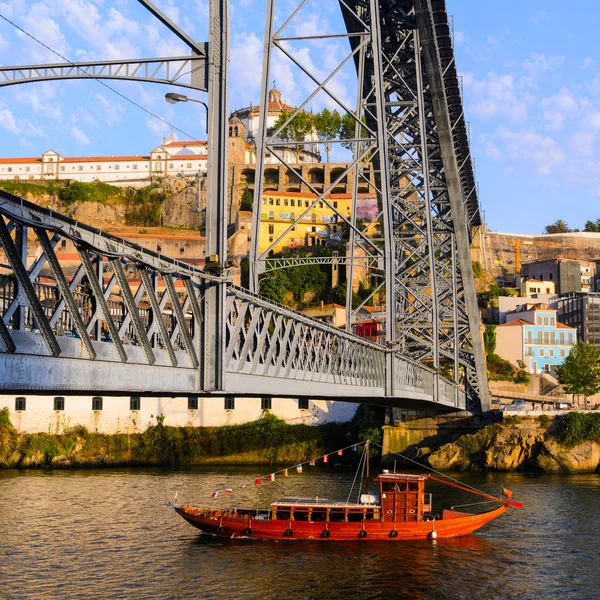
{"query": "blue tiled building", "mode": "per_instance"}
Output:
(532, 334)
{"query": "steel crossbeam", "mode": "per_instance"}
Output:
(169, 71)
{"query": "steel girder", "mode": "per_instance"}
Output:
(412, 150)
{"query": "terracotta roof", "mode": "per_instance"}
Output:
(184, 143)
(313, 196)
(75, 159)
(19, 160)
(515, 323)
(563, 326)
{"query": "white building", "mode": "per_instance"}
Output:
(170, 158)
(134, 414)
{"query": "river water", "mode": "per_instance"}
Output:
(111, 534)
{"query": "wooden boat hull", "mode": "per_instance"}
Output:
(452, 524)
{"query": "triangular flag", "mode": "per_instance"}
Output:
(272, 477)
(285, 472)
(257, 481)
(354, 448)
(326, 458)
(340, 452)
(311, 463)
(507, 493)
(299, 469)
(214, 494)
(229, 491)
(243, 486)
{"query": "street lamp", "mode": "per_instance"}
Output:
(174, 98)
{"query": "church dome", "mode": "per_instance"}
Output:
(275, 95)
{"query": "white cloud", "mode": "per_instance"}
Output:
(495, 95)
(4, 43)
(587, 63)
(558, 107)
(459, 37)
(493, 41)
(157, 127)
(544, 152)
(582, 142)
(537, 63)
(79, 135)
(8, 121)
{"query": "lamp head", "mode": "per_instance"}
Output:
(173, 98)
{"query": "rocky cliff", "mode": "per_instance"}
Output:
(517, 444)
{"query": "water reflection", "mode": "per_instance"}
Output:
(110, 534)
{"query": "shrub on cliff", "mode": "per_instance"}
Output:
(5, 419)
(577, 428)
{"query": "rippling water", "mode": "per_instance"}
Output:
(110, 534)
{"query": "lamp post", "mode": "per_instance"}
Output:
(174, 98)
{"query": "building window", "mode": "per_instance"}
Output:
(271, 229)
(539, 321)
(135, 402)
(265, 403)
(285, 202)
(59, 403)
(192, 402)
(20, 403)
(189, 165)
(116, 167)
(62, 168)
(529, 337)
(27, 169)
(305, 203)
(562, 352)
(181, 249)
(303, 403)
(134, 167)
(545, 320)
(570, 339)
(50, 169)
(98, 167)
(541, 352)
(292, 202)
(546, 337)
(97, 403)
(80, 167)
(551, 353)
(270, 201)
(264, 201)
(562, 337)
(277, 202)
(229, 403)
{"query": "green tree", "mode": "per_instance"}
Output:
(559, 226)
(296, 131)
(275, 286)
(246, 200)
(348, 131)
(327, 124)
(489, 339)
(592, 226)
(580, 372)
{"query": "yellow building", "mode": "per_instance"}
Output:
(530, 287)
(319, 226)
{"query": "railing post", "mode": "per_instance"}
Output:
(216, 195)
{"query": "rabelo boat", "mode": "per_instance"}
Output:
(400, 509)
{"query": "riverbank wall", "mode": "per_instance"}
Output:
(269, 440)
(540, 441)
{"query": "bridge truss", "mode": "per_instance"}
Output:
(410, 148)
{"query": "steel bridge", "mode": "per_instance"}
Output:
(122, 319)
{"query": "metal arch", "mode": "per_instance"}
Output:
(152, 70)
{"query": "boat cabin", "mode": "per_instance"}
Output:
(403, 497)
(323, 510)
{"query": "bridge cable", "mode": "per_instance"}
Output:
(99, 80)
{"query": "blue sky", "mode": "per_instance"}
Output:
(531, 74)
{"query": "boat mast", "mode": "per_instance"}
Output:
(367, 461)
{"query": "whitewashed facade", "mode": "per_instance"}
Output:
(186, 159)
(134, 414)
